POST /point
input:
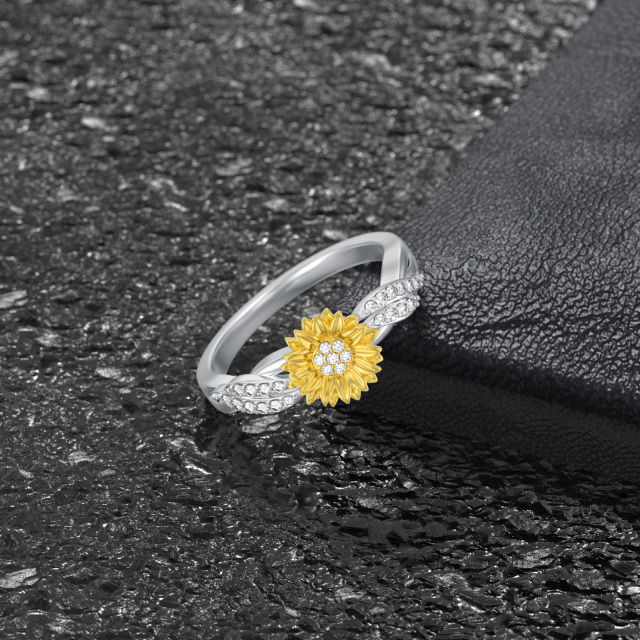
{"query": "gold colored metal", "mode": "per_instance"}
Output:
(359, 372)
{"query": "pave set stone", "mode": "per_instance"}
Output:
(388, 313)
(395, 312)
(256, 398)
(333, 357)
(261, 389)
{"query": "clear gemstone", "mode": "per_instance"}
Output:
(226, 399)
(338, 346)
(327, 370)
(389, 315)
(371, 306)
(250, 390)
(390, 292)
(277, 387)
(249, 406)
(319, 359)
(408, 286)
(333, 358)
(379, 319)
(288, 401)
(275, 405)
(215, 397)
(399, 287)
(263, 407)
(380, 297)
(401, 308)
(237, 389)
(264, 388)
(341, 368)
(238, 404)
(325, 347)
(416, 283)
(345, 356)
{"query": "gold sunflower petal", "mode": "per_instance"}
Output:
(319, 327)
(343, 389)
(370, 334)
(365, 368)
(312, 396)
(355, 335)
(350, 330)
(296, 383)
(357, 380)
(306, 340)
(297, 358)
(366, 351)
(312, 383)
(325, 390)
(337, 324)
(335, 394)
(350, 322)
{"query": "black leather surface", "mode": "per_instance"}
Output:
(530, 252)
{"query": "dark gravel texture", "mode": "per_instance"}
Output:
(161, 161)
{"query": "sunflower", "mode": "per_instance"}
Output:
(332, 358)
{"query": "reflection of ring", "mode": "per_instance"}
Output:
(332, 356)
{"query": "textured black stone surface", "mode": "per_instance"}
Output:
(160, 162)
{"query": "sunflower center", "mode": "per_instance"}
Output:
(332, 357)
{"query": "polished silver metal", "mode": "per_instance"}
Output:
(398, 263)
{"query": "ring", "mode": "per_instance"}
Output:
(332, 356)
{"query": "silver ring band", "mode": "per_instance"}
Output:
(268, 388)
